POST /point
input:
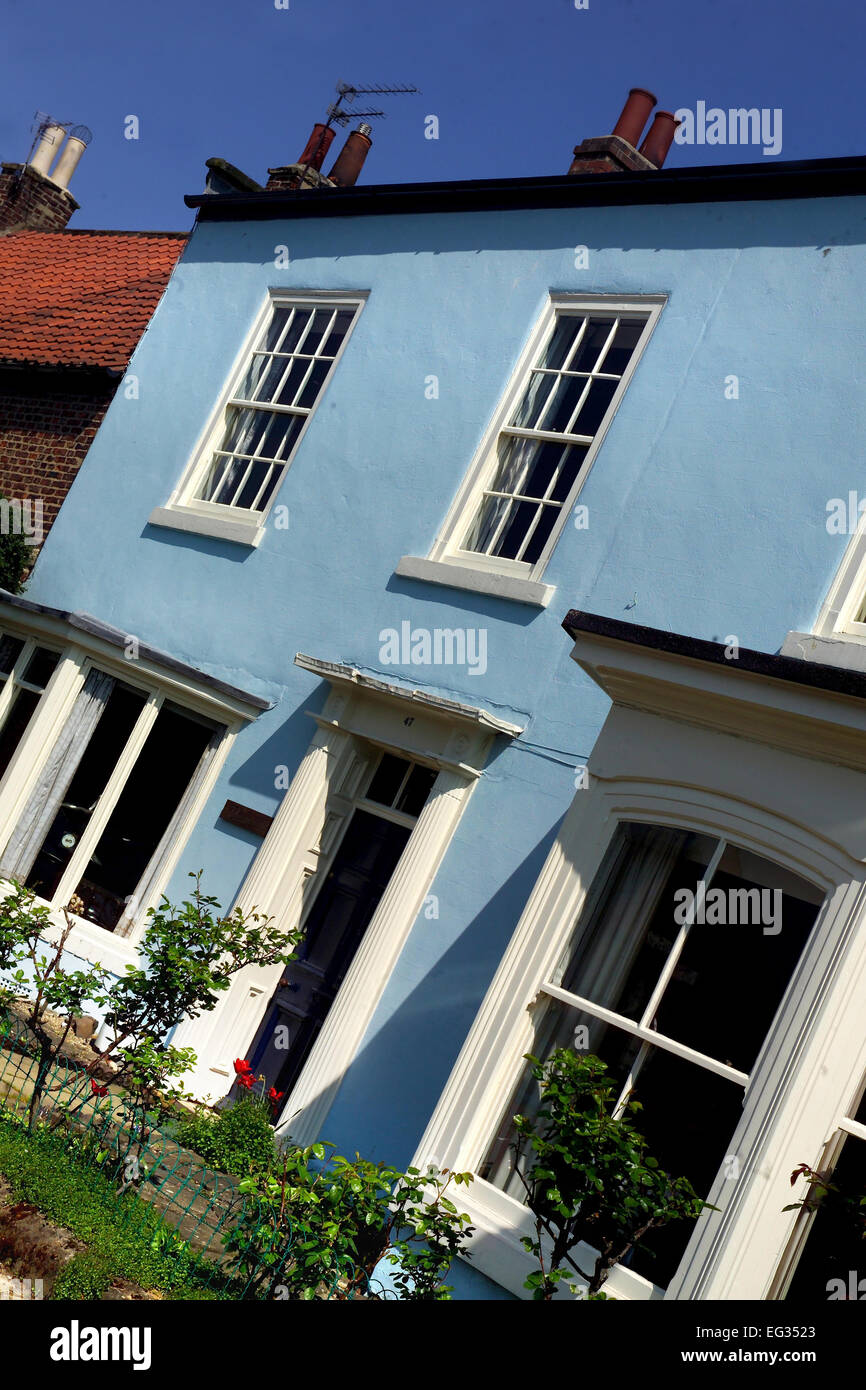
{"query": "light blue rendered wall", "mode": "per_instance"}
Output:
(707, 517)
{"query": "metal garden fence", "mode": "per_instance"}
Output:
(164, 1191)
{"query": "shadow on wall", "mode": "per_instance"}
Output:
(389, 1092)
(697, 227)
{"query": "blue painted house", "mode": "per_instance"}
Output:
(299, 625)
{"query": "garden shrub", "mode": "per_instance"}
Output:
(238, 1139)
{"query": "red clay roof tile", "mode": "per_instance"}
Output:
(80, 299)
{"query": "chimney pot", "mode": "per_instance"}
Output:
(659, 137)
(51, 137)
(316, 148)
(634, 115)
(68, 161)
(351, 158)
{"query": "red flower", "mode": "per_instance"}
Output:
(242, 1068)
(246, 1079)
(275, 1096)
(97, 1089)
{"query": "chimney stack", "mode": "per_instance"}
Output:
(350, 160)
(35, 197)
(618, 152)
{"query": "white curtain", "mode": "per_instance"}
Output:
(60, 768)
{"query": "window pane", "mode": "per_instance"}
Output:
(335, 338)
(242, 427)
(278, 430)
(835, 1245)
(387, 779)
(540, 535)
(316, 380)
(253, 380)
(572, 462)
(24, 703)
(291, 387)
(89, 782)
(688, 1119)
(764, 926)
(527, 413)
(38, 673)
(630, 915)
(256, 474)
(624, 343)
(557, 415)
(298, 327)
(520, 518)
(321, 319)
(486, 524)
(417, 789)
(147, 803)
(517, 460)
(10, 650)
(594, 407)
(594, 339)
(224, 479)
(275, 329)
(40, 667)
(567, 328)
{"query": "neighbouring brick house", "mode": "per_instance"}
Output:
(73, 305)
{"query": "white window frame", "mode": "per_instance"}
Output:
(465, 1121)
(447, 563)
(76, 660)
(186, 512)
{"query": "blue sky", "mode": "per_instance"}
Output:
(515, 85)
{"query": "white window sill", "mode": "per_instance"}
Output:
(846, 649)
(479, 581)
(495, 1249)
(240, 530)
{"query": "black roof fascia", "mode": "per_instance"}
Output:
(838, 680)
(809, 178)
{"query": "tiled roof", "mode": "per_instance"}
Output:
(80, 299)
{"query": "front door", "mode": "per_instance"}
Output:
(347, 900)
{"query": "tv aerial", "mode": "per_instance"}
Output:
(343, 110)
(347, 94)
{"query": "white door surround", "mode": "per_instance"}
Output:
(361, 716)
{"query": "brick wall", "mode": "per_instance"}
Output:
(47, 423)
(29, 200)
